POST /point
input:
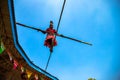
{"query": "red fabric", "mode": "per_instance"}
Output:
(50, 35)
(51, 31)
(15, 64)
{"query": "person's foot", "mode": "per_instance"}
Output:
(51, 50)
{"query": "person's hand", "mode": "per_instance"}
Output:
(61, 35)
(43, 32)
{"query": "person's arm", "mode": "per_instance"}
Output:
(44, 32)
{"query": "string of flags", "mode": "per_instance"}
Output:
(25, 73)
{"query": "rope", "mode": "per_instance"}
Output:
(61, 15)
(48, 61)
(57, 31)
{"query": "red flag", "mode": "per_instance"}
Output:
(15, 64)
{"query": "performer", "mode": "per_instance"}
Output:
(50, 40)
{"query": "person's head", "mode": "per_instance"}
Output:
(51, 24)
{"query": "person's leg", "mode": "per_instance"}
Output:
(51, 45)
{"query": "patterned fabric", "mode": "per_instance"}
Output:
(50, 38)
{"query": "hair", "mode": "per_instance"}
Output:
(51, 22)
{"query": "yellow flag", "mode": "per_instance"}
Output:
(15, 64)
(29, 73)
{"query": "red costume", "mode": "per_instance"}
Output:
(50, 38)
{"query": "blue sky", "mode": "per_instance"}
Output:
(94, 21)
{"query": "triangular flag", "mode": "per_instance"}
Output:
(36, 77)
(41, 78)
(2, 47)
(29, 73)
(10, 56)
(15, 64)
(24, 76)
(22, 69)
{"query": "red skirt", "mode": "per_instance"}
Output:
(50, 40)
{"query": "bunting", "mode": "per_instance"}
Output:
(29, 73)
(25, 73)
(2, 47)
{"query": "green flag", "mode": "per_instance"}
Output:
(41, 78)
(2, 47)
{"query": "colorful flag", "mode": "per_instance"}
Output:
(24, 76)
(36, 77)
(29, 73)
(41, 78)
(10, 56)
(15, 64)
(2, 47)
(22, 69)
